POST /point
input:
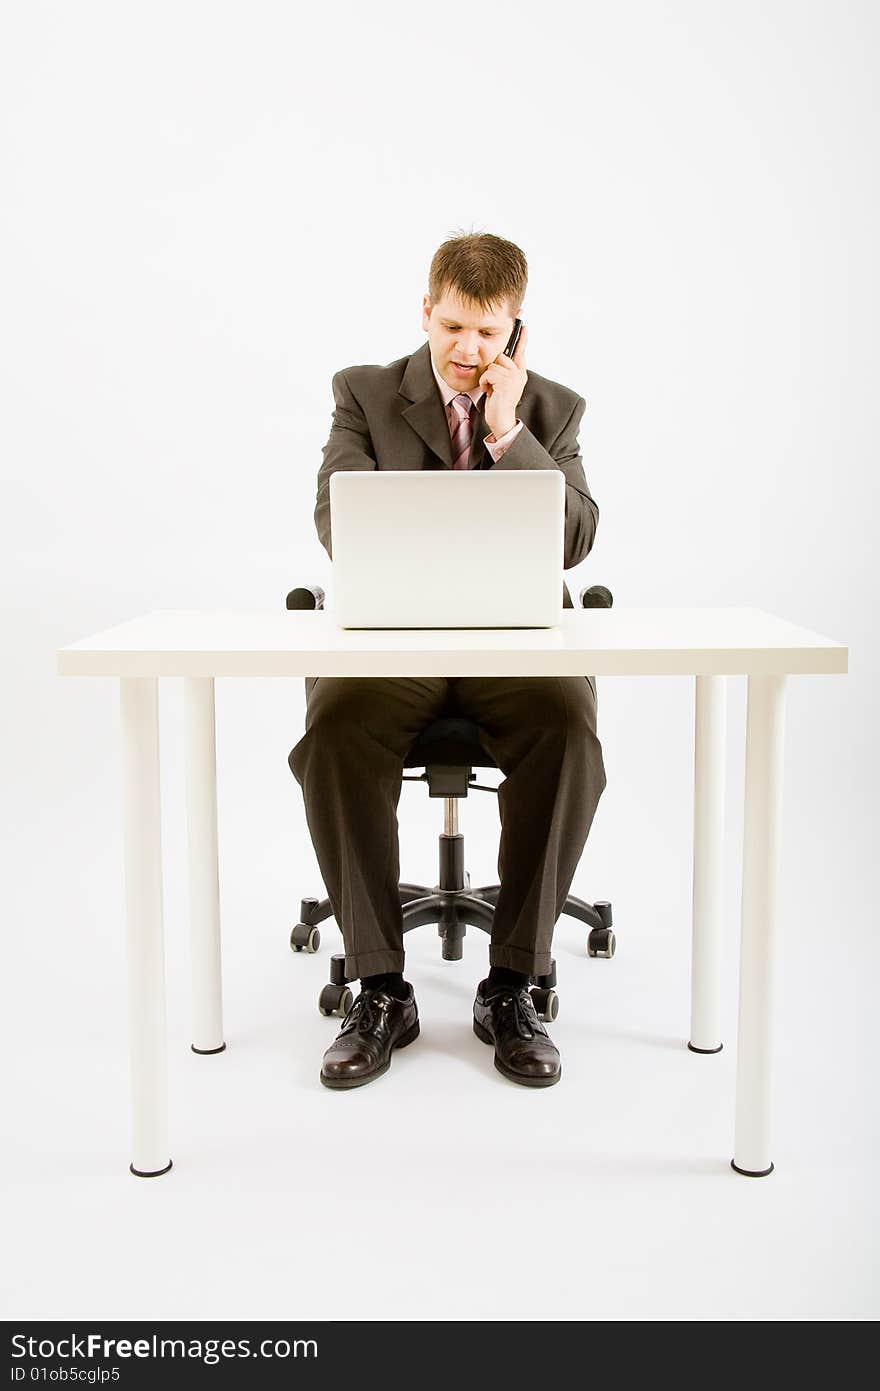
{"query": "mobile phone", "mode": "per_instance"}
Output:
(514, 338)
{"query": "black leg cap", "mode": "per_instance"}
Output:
(752, 1173)
(149, 1173)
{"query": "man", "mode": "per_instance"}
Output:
(457, 402)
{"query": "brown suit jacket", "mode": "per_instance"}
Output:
(393, 417)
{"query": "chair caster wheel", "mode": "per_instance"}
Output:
(546, 1003)
(305, 938)
(335, 999)
(601, 942)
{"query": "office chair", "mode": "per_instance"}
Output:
(449, 750)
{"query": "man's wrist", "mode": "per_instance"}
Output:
(499, 433)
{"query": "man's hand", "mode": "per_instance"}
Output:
(504, 382)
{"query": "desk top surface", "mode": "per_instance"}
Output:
(606, 642)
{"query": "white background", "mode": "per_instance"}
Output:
(207, 210)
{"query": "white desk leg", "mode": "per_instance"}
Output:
(142, 835)
(765, 732)
(204, 882)
(710, 739)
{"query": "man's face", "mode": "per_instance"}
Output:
(459, 332)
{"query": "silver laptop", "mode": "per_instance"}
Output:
(439, 548)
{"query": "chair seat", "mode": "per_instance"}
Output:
(455, 742)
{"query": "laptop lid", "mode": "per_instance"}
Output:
(441, 548)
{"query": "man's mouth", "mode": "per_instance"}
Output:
(465, 367)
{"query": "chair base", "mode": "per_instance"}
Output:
(454, 906)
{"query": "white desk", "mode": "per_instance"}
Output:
(709, 644)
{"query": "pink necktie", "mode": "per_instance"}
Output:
(461, 439)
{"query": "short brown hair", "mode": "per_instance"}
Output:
(481, 268)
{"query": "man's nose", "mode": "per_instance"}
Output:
(468, 347)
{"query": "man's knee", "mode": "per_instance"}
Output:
(548, 707)
(580, 709)
(564, 707)
(329, 713)
(582, 743)
(341, 704)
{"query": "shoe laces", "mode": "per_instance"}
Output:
(523, 1007)
(361, 1014)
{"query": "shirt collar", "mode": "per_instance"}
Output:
(448, 392)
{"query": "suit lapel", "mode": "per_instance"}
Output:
(427, 416)
(480, 457)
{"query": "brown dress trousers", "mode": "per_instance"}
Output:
(541, 731)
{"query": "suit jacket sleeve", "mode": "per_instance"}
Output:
(581, 512)
(349, 446)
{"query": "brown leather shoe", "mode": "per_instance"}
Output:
(524, 1051)
(375, 1024)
